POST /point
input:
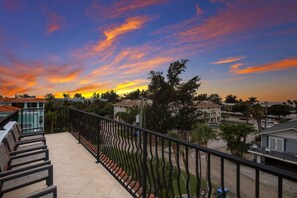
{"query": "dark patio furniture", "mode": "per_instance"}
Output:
(50, 191)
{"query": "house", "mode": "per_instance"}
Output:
(277, 142)
(6, 110)
(29, 117)
(211, 111)
(123, 105)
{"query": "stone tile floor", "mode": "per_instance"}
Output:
(75, 172)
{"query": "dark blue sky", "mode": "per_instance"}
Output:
(243, 47)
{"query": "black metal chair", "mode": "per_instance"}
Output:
(12, 179)
(22, 146)
(20, 136)
(9, 162)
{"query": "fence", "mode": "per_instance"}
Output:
(150, 164)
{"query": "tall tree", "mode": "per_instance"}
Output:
(49, 96)
(279, 110)
(172, 99)
(78, 96)
(133, 95)
(215, 98)
(231, 99)
(201, 97)
(110, 96)
(235, 136)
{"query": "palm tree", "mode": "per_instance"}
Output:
(202, 133)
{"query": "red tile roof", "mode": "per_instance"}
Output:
(21, 100)
(8, 109)
(206, 104)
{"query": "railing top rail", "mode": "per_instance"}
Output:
(268, 169)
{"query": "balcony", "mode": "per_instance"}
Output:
(114, 159)
(266, 152)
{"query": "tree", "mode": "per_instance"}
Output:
(172, 99)
(1, 96)
(66, 96)
(133, 95)
(231, 99)
(95, 96)
(257, 112)
(279, 110)
(78, 96)
(49, 96)
(293, 104)
(201, 97)
(235, 136)
(215, 98)
(128, 116)
(51, 117)
(110, 96)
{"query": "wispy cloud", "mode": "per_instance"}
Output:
(19, 76)
(229, 60)
(12, 5)
(198, 9)
(227, 21)
(268, 67)
(55, 21)
(111, 34)
(99, 12)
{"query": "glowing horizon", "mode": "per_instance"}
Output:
(244, 47)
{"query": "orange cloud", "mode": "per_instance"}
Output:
(239, 17)
(55, 21)
(129, 86)
(98, 12)
(64, 77)
(131, 24)
(229, 60)
(269, 67)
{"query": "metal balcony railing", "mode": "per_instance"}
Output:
(151, 164)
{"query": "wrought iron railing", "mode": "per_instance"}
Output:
(151, 164)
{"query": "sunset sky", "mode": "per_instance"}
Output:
(240, 47)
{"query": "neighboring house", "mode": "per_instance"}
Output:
(6, 110)
(33, 109)
(211, 111)
(278, 142)
(123, 105)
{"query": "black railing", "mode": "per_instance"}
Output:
(150, 164)
(48, 120)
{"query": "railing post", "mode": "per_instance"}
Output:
(68, 109)
(144, 164)
(98, 140)
(22, 127)
(79, 119)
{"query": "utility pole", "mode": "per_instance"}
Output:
(266, 112)
(141, 111)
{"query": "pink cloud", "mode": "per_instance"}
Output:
(283, 64)
(100, 12)
(240, 17)
(55, 21)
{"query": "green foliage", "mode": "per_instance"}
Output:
(235, 136)
(49, 96)
(78, 96)
(279, 110)
(129, 115)
(172, 106)
(110, 96)
(201, 133)
(231, 99)
(134, 95)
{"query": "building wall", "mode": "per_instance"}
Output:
(290, 145)
(292, 134)
(214, 114)
(118, 109)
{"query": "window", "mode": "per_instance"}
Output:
(19, 105)
(32, 104)
(276, 143)
(41, 104)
